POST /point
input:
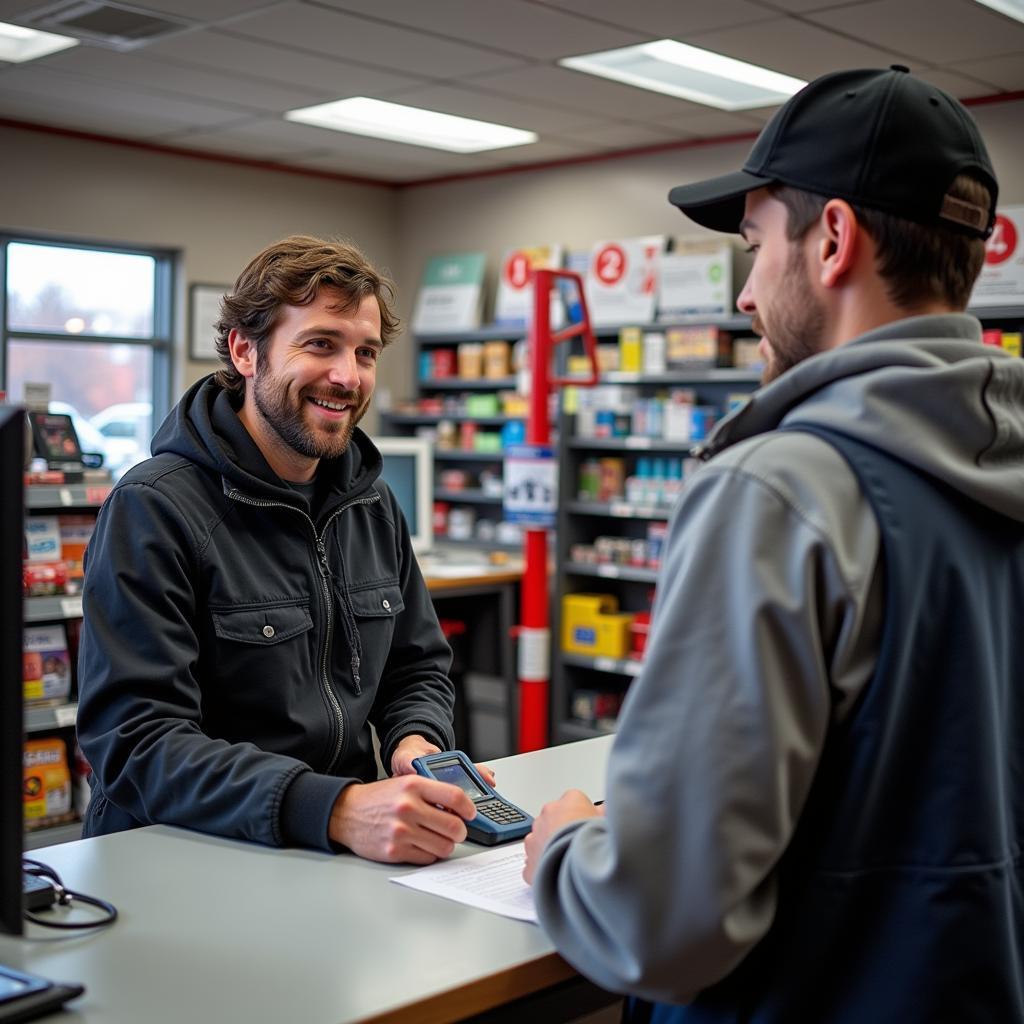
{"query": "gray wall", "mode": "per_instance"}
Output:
(216, 215)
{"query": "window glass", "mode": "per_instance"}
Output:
(97, 384)
(63, 290)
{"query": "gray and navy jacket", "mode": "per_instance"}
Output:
(234, 652)
(815, 799)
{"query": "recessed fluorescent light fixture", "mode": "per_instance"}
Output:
(1011, 8)
(691, 74)
(361, 115)
(18, 44)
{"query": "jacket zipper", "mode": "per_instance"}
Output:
(325, 575)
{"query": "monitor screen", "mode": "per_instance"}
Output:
(12, 503)
(409, 472)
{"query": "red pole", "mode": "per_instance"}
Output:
(535, 629)
(535, 634)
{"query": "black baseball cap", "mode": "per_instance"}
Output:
(884, 140)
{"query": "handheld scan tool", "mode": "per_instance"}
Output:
(497, 820)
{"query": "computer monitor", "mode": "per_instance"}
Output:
(12, 504)
(409, 472)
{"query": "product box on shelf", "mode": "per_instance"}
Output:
(596, 707)
(46, 781)
(692, 347)
(46, 664)
(696, 278)
(42, 539)
(592, 624)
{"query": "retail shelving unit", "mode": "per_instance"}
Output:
(581, 521)
(478, 499)
(58, 718)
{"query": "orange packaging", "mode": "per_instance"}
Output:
(47, 780)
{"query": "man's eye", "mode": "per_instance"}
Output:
(320, 343)
(752, 248)
(369, 353)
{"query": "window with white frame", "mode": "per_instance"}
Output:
(93, 322)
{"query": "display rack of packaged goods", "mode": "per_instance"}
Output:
(466, 399)
(58, 521)
(622, 460)
(617, 486)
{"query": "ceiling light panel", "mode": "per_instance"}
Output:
(19, 44)
(690, 73)
(378, 119)
(1011, 8)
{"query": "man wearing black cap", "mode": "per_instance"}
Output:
(815, 801)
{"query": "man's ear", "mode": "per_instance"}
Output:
(838, 242)
(243, 352)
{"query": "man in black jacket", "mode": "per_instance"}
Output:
(252, 602)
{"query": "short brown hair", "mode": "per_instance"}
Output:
(918, 262)
(292, 272)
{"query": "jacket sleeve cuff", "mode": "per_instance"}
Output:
(306, 810)
(430, 732)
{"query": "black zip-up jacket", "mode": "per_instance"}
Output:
(233, 653)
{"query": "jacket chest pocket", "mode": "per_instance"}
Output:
(255, 643)
(375, 609)
(264, 625)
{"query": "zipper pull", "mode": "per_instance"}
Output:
(325, 569)
(355, 672)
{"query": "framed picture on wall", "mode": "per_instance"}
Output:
(204, 312)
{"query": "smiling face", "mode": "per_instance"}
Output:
(779, 293)
(314, 382)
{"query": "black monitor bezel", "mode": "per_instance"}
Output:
(12, 735)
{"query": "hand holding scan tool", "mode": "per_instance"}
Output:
(497, 820)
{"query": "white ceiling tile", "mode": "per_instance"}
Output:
(348, 37)
(13, 10)
(574, 89)
(619, 135)
(66, 92)
(146, 71)
(528, 29)
(796, 48)
(961, 86)
(233, 140)
(931, 31)
(711, 124)
(205, 10)
(668, 18)
(333, 79)
(1006, 73)
(465, 102)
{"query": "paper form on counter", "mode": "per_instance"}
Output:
(491, 880)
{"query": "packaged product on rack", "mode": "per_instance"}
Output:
(46, 781)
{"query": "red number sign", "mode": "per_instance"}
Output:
(610, 264)
(1002, 243)
(517, 270)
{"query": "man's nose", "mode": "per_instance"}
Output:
(344, 370)
(745, 300)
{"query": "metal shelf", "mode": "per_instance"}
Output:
(39, 497)
(51, 609)
(616, 666)
(492, 332)
(694, 375)
(469, 496)
(51, 835)
(482, 545)
(619, 510)
(411, 419)
(631, 443)
(42, 718)
(460, 455)
(612, 572)
(468, 383)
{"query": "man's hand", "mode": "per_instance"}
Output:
(410, 747)
(409, 820)
(570, 806)
(413, 746)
